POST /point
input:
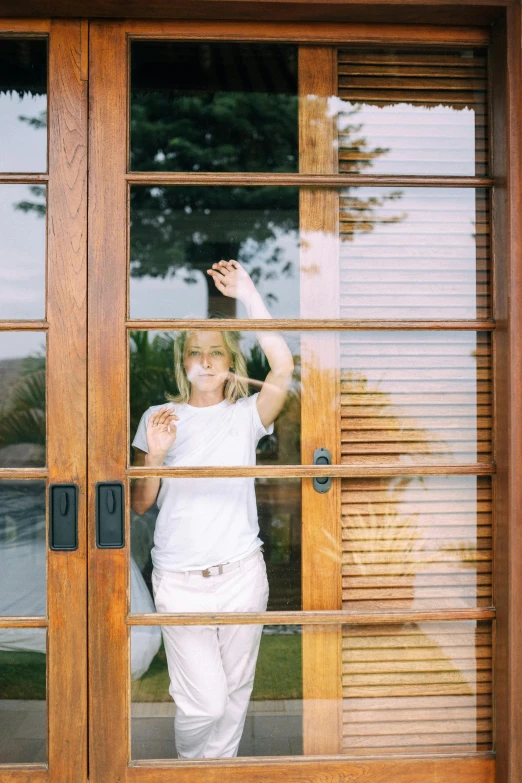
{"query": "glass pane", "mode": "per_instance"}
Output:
(417, 542)
(22, 261)
(23, 104)
(422, 398)
(23, 708)
(269, 658)
(404, 253)
(407, 112)
(177, 233)
(22, 549)
(417, 687)
(204, 106)
(416, 253)
(22, 399)
(153, 381)
(193, 528)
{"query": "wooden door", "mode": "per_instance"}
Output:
(363, 172)
(43, 642)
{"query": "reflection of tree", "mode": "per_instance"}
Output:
(183, 230)
(22, 414)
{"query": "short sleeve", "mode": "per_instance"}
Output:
(140, 439)
(258, 427)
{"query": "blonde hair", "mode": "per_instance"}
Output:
(235, 386)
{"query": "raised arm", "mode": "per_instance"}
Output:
(161, 434)
(234, 281)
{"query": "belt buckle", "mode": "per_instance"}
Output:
(208, 571)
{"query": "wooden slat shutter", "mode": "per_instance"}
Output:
(418, 397)
(404, 80)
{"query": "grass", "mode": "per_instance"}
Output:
(278, 672)
(22, 675)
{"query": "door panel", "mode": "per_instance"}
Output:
(394, 608)
(44, 420)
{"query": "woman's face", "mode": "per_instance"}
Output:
(206, 360)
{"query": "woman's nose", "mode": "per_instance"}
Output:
(206, 361)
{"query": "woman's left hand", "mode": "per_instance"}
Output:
(232, 280)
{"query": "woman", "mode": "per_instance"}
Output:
(207, 554)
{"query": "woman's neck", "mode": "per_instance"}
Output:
(199, 399)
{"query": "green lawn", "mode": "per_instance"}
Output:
(22, 675)
(278, 672)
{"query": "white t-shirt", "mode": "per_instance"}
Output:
(206, 521)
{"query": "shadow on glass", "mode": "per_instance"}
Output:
(22, 399)
(23, 706)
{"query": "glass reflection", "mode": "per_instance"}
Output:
(22, 399)
(416, 397)
(405, 397)
(152, 381)
(23, 104)
(22, 263)
(274, 706)
(417, 687)
(417, 542)
(23, 708)
(177, 233)
(22, 549)
(209, 106)
(278, 505)
(419, 253)
(407, 112)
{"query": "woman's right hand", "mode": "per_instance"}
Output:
(161, 433)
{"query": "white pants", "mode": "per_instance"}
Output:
(211, 668)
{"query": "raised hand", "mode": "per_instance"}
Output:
(232, 280)
(161, 432)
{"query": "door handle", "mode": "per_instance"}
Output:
(322, 483)
(110, 520)
(63, 517)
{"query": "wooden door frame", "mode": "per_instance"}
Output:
(66, 398)
(108, 445)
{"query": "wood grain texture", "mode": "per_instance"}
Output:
(23, 622)
(507, 116)
(320, 419)
(308, 471)
(29, 773)
(303, 179)
(319, 33)
(23, 326)
(84, 43)
(29, 26)
(391, 617)
(451, 12)
(319, 770)
(108, 646)
(67, 399)
(23, 178)
(23, 473)
(315, 323)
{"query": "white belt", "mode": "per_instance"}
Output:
(217, 570)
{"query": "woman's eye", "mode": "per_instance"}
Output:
(218, 353)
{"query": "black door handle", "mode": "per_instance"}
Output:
(110, 520)
(322, 483)
(63, 517)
